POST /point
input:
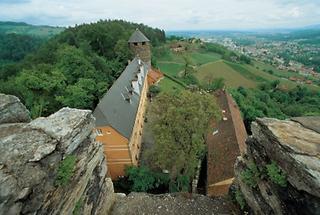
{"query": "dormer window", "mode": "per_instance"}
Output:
(126, 96)
(99, 132)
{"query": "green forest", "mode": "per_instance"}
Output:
(74, 68)
(269, 100)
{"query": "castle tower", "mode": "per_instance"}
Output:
(140, 45)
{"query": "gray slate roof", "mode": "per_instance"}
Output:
(138, 37)
(113, 109)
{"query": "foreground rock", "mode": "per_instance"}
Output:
(171, 204)
(12, 110)
(280, 174)
(52, 165)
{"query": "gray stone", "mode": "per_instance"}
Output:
(310, 122)
(68, 126)
(295, 147)
(12, 110)
(30, 155)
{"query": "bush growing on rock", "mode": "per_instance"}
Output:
(251, 175)
(240, 199)
(276, 175)
(65, 170)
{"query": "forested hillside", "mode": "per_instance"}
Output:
(74, 68)
(14, 47)
(31, 30)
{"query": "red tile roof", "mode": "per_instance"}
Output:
(225, 145)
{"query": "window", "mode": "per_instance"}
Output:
(215, 132)
(135, 44)
(99, 132)
(143, 43)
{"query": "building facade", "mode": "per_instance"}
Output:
(120, 113)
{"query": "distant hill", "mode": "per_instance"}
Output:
(27, 29)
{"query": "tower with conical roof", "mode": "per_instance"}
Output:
(140, 45)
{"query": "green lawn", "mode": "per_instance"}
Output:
(203, 58)
(170, 68)
(167, 85)
(220, 69)
(249, 74)
(172, 57)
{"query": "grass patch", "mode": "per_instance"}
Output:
(170, 68)
(203, 58)
(167, 85)
(246, 73)
(65, 170)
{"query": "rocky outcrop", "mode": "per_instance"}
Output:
(280, 173)
(52, 165)
(12, 110)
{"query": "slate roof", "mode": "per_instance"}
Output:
(114, 109)
(138, 37)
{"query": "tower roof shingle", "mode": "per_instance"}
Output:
(138, 37)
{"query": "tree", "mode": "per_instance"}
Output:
(179, 123)
(188, 65)
(79, 95)
(217, 83)
(154, 90)
(142, 179)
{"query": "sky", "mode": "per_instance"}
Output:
(168, 14)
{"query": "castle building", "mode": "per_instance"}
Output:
(120, 113)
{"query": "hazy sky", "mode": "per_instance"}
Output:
(167, 14)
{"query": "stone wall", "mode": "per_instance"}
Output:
(280, 173)
(35, 177)
(143, 51)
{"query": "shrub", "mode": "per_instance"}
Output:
(251, 175)
(276, 175)
(65, 170)
(143, 179)
(270, 71)
(217, 83)
(154, 90)
(240, 199)
(181, 184)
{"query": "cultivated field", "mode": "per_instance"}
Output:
(220, 69)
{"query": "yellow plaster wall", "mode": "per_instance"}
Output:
(135, 140)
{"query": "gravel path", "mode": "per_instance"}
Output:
(171, 204)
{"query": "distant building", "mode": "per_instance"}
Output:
(225, 142)
(120, 113)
